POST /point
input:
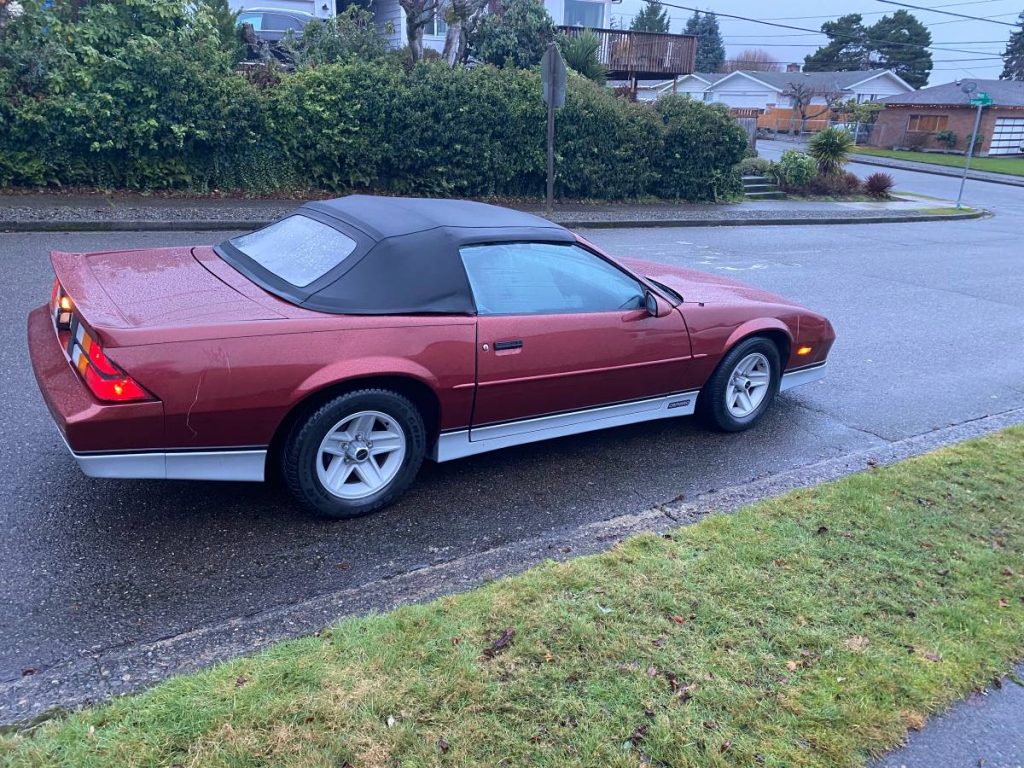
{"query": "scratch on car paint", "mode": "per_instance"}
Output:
(188, 414)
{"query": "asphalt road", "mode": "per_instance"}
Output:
(930, 320)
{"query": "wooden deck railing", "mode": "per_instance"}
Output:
(643, 54)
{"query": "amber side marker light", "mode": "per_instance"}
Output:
(804, 351)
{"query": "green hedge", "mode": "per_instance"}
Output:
(141, 95)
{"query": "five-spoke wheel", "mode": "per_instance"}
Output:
(354, 454)
(743, 386)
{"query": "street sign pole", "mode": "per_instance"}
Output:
(553, 78)
(981, 100)
(550, 197)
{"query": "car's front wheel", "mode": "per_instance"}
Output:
(743, 386)
(354, 454)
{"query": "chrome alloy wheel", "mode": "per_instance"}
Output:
(748, 385)
(360, 455)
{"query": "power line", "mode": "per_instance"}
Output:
(947, 13)
(877, 13)
(805, 29)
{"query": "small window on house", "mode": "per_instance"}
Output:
(927, 123)
(437, 27)
(584, 13)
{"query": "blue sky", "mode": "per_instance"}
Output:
(981, 40)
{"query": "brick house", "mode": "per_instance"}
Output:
(913, 119)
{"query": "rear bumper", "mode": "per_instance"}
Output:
(120, 440)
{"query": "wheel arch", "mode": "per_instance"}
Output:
(421, 394)
(770, 328)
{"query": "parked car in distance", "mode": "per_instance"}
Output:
(272, 24)
(356, 337)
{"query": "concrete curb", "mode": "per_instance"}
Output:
(934, 170)
(220, 225)
(116, 671)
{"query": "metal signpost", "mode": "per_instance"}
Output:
(979, 100)
(553, 81)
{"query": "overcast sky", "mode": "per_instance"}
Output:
(980, 41)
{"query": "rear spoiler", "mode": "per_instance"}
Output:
(91, 302)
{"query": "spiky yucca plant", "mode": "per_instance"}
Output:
(830, 149)
(581, 54)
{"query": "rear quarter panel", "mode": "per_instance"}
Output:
(236, 391)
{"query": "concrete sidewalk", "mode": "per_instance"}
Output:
(137, 212)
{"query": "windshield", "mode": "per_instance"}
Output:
(297, 249)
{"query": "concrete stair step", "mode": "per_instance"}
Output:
(760, 187)
(774, 195)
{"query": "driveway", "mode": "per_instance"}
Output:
(930, 322)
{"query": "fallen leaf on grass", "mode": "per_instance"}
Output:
(792, 666)
(912, 720)
(638, 735)
(857, 643)
(1004, 603)
(442, 744)
(932, 656)
(822, 529)
(1007, 571)
(503, 642)
(678, 619)
(240, 681)
(652, 671)
(726, 746)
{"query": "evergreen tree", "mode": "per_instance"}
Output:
(1013, 58)
(898, 42)
(710, 49)
(846, 50)
(652, 18)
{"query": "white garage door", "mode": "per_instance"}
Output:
(1008, 136)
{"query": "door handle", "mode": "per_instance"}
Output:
(510, 344)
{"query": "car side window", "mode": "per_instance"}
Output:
(546, 278)
(256, 19)
(275, 22)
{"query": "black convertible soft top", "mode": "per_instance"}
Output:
(406, 259)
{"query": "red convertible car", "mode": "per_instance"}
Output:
(355, 337)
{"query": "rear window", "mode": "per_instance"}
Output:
(297, 249)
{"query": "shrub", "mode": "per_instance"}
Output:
(518, 36)
(703, 144)
(795, 170)
(755, 166)
(947, 138)
(581, 53)
(878, 185)
(350, 35)
(833, 185)
(830, 149)
(143, 95)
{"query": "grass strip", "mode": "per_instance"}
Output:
(1013, 166)
(809, 630)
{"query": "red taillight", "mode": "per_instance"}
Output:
(101, 375)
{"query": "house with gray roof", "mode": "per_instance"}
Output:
(942, 117)
(765, 91)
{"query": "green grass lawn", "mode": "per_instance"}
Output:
(809, 630)
(1011, 165)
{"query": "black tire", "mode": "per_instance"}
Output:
(711, 404)
(302, 452)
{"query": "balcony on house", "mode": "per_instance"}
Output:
(634, 56)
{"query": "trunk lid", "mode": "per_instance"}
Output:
(163, 287)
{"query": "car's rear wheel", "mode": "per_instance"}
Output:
(743, 386)
(354, 454)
